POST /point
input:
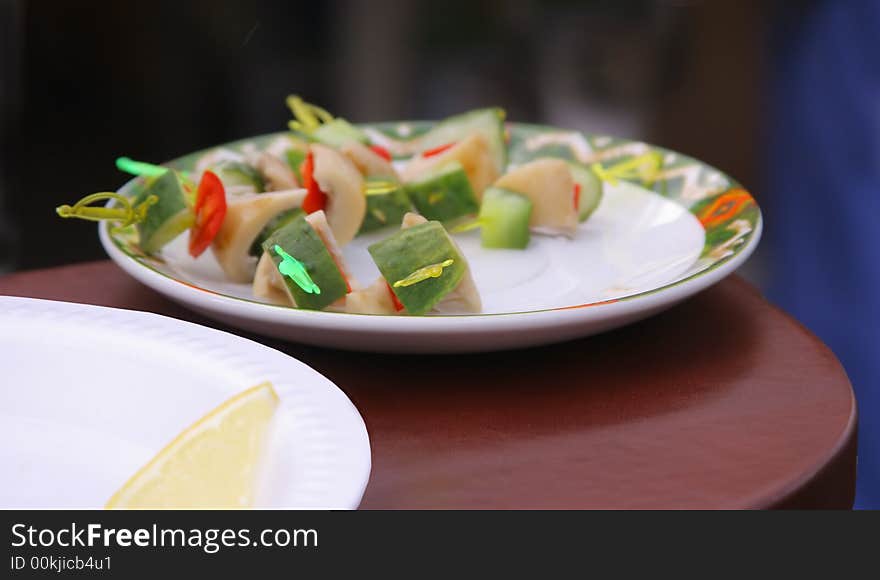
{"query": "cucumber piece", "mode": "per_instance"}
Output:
(591, 189)
(273, 225)
(445, 194)
(167, 218)
(410, 250)
(295, 158)
(233, 173)
(504, 219)
(384, 209)
(299, 239)
(337, 132)
(488, 122)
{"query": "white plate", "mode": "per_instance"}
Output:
(643, 251)
(89, 394)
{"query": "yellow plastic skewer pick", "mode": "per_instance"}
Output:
(308, 117)
(126, 213)
(379, 187)
(431, 271)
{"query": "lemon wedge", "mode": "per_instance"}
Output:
(212, 464)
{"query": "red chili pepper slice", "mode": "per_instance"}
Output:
(210, 210)
(437, 150)
(315, 198)
(577, 195)
(398, 306)
(381, 151)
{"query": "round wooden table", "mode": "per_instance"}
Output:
(721, 402)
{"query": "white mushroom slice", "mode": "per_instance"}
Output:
(276, 174)
(214, 157)
(249, 149)
(269, 285)
(374, 299)
(474, 155)
(246, 216)
(318, 221)
(282, 144)
(411, 219)
(368, 162)
(342, 182)
(465, 298)
(549, 184)
(234, 191)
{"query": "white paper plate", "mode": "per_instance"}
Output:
(90, 394)
(647, 247)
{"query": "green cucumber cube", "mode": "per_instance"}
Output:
(444, 195)
(169, 217)
(591, 189)
(384, 209)
(299, 239)
(504, 219)
(412, 249)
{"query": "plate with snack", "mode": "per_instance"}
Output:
(103, 407)
(463, 235)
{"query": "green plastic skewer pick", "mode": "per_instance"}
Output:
(294, 269)
(133, 167)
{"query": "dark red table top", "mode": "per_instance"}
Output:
(721, 402)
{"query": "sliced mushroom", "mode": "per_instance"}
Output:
(549, 184)
(374, 299)
(319, 222)
(411, 219)
(340, 179)
(368, 162)
(214, 157)
(465, 299)
(269, 285)
(474, 155)
(280, 145)
(246, 216)
(277, 174)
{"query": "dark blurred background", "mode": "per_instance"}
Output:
(782, 95)
(87, 81)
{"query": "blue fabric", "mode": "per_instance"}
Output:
(823, 194)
